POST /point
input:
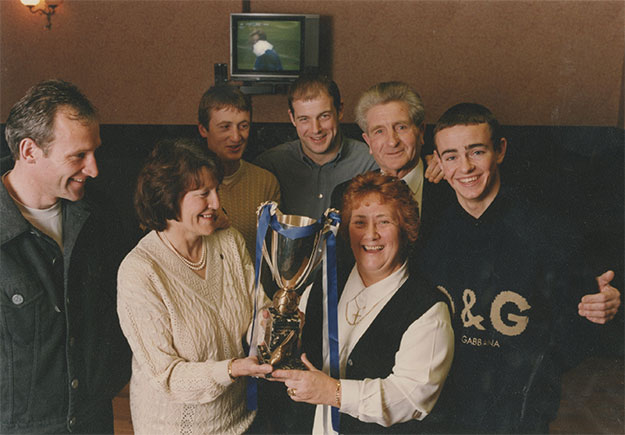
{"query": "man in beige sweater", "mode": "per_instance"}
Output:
(224, 118)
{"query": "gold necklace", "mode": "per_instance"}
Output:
(357, 316)
(190, 264)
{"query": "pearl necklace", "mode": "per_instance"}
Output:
(190, 264)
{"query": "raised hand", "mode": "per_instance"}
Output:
(601, 307)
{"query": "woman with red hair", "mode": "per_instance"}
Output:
(394, 329)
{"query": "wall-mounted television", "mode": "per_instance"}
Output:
(273, 47)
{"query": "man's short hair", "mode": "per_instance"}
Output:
(470, 114)
(33, 115)
(388, 92)
(310, 86)
(221, 97)
(262, 36)
(172, 169)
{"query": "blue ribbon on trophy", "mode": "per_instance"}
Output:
(296, 246)
(330, 289)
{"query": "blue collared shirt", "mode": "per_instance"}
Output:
(306, 187)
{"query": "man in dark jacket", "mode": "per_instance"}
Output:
(515, 274)
(62, 354)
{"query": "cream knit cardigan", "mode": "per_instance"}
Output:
(183, 331)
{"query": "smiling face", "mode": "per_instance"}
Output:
(393, 139)
(69, 162)
(317, 125)
(375, 239)
(198, 207)
(471, 164)
(226, 136)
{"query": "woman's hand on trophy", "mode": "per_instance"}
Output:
(310, 386)
(248, 367)
(264, 318)
(260, 325)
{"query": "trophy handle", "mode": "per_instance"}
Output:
(273, 211)
(267, 257)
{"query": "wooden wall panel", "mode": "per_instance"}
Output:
(139, 61)
(532, 62)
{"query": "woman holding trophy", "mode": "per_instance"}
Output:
(394, 331)
(185, 301)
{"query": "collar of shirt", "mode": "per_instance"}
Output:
(492, 213)
(310, 162)
(260, 47)
(355, 289)
(229, 179)
(414, 180)
(358, 301)
(379, 293)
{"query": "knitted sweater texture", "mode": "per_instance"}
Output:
(242, 193)
(183, 330)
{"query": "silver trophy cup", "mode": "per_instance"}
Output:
(290, 261)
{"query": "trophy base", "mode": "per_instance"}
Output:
(282, 342)
(291, 363)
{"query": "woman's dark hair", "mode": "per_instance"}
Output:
(390, 190)
(172, 169)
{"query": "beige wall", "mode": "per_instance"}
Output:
(147, 62)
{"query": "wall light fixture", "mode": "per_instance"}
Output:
(44, 7)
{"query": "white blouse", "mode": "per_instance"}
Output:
(421, 363)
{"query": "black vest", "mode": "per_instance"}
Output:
(374, 354)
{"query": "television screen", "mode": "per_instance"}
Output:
(272, 46)
(269, 45)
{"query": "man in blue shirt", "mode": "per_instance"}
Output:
(310, 167)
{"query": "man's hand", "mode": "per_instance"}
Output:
(433, 172)
(601, 307)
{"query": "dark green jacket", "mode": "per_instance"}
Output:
(62, 354)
